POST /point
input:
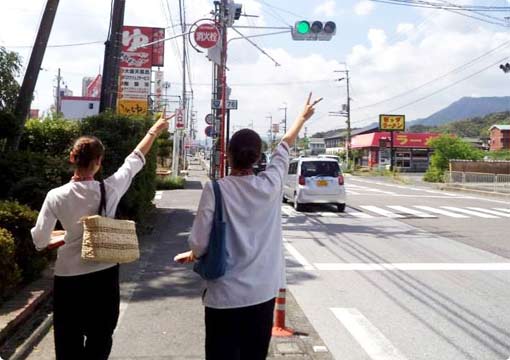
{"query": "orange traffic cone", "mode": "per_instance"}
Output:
(279, 329)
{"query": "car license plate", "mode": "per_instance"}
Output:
(322, 183)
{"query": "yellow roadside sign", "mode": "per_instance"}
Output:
(392, 122)
(132, 107)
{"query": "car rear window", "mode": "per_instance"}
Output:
(320, 168)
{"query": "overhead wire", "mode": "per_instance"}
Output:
(453, 71)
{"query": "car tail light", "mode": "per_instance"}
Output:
(340, 180)
(302, 180)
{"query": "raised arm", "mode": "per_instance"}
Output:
(293, 132)
(161, 125)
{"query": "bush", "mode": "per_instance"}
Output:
(27, 176)
(170, 183)
(18, 220)
(51, 136)
(120, 134)
(447, 147)
(11, 275)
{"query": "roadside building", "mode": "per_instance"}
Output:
(335, 143)
(316, 146)
(499, 137)
(412, 152)
(79, 107)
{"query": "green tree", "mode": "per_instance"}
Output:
(10, 66)
(447, 147)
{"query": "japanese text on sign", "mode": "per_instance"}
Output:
(392, 122)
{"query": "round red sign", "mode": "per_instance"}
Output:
(207, 35)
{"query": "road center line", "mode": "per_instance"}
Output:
(413, 266)
(375, 344)
(299, 258)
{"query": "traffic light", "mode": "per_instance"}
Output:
(233, 12)
(505, 67)
(316, 30)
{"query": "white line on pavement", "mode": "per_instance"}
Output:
(488, 211)
(358, 214)
(442, 212)
(413, 266)
(411, 211)
(375, 344)
(299, 258)
(350, 192)
(503, 209)
(470, 212)
(383, 212)
(159, 195)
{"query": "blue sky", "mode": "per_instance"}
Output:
(401, 58)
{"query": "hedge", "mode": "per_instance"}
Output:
(170, 183)
(120, 134)
(11, 276)
(18, 220)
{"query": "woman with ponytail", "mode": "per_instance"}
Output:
(86, 294)
(239, 305)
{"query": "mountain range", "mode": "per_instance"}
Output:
(466, 108)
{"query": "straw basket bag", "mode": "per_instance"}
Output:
(108, 240)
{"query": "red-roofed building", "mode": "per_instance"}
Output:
(412, 152)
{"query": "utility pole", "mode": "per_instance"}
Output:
(346, 113)
(270, 132)
(111, 60)
(26, 92)
(284, 118)
(58, 106)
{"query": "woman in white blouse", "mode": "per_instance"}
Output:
(239, 305)
(86, 294)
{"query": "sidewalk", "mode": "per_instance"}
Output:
(161, 310)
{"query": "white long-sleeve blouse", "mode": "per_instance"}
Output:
(252, 211)
(74, 200)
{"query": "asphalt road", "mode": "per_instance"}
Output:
(408, 272)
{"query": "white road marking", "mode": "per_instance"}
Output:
(412, 211)
(327, 214)
(470, 212)
(383, 212)
(488, 211)
(358, 214)
(375, 344)
(442, 212)
(287, 210)
(503, 209)
(159, 195)
(350, 192)
(299, 258)
(412, 266)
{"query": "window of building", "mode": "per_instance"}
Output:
(91, 106)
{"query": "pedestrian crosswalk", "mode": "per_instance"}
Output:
(405, 212)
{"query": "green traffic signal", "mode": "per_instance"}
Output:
(303, 27)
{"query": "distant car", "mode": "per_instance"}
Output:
(326, 156)
(314, 180)
(261, 164)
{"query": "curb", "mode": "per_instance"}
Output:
(24, 314)
(474, 191)
(26, 348)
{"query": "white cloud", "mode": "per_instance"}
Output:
(388, 62)
(364, 7)
(327, 8)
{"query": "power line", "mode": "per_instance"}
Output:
(457, 69)
(441, 89)
(57, 46)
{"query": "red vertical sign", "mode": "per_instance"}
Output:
(158, 49)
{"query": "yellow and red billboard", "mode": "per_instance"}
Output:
(392, 122)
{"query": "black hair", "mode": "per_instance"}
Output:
(244, 149)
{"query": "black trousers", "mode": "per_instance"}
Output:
(85, 314)
(240, 333)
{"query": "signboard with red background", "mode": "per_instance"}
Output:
(206, 35)
(400, 140)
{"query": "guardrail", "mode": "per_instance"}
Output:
(479, 181)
